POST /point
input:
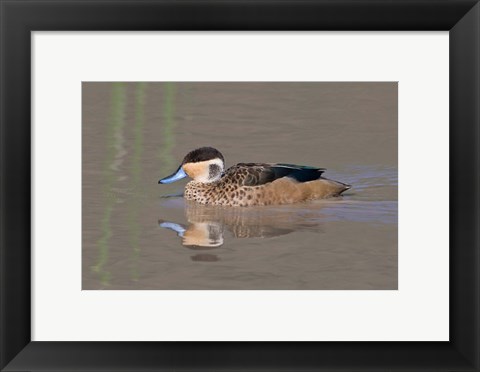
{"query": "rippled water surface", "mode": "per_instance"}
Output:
(138, 234)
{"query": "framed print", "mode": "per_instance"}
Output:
(331, 214)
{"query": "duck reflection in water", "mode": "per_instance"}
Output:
(208, 225)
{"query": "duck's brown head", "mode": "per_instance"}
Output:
(205, 165)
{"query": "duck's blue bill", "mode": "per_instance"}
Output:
(178, 175)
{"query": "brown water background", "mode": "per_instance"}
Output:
(133, 134)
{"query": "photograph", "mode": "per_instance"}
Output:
(240, 185)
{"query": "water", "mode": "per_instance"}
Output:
(139, 235)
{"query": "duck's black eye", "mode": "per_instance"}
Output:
(214, 170)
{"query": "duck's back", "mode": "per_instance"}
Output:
(257, 174)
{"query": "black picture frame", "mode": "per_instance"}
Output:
(18, 18)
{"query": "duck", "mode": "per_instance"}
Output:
(250, 184)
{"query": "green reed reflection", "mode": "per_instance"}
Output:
(166, 158)
(136, 173)
(114, 147)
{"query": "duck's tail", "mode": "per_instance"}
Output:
(325, 188)
(342, 187)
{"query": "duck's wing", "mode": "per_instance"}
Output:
(255, 174)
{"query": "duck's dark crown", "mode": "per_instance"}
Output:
(203, 154)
